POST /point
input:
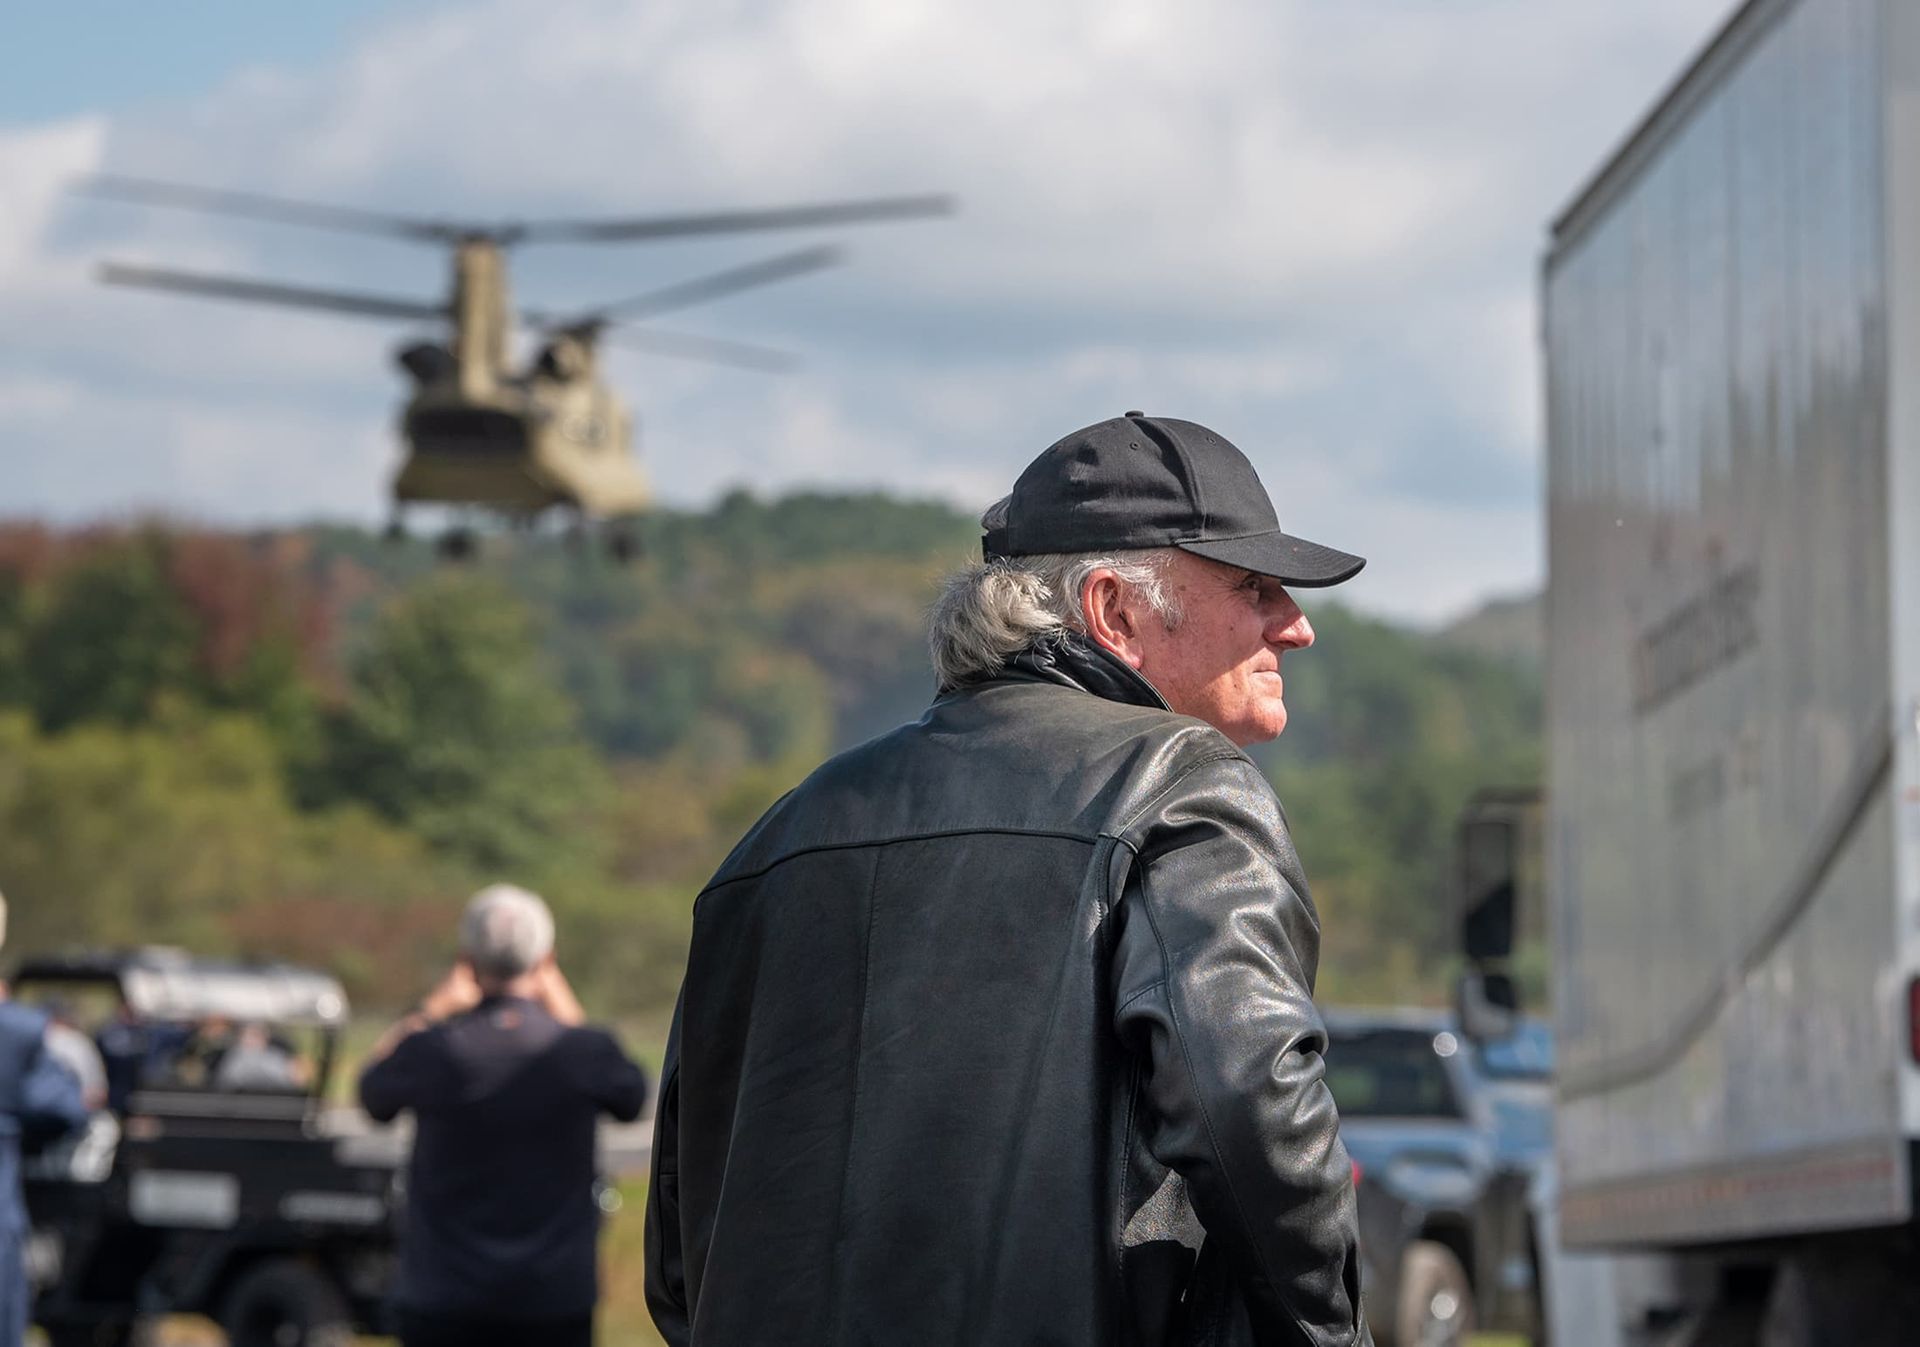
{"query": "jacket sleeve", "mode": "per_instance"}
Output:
(666, 1282)
(1215, 950)
(402, 1079)
(613, 1080)
(51, 1105)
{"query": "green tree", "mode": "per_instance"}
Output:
(1389, 732)
(112, 636)
(181, 832)
(15, 680)
(113, 837)
(455, 729)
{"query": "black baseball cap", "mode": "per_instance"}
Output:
(1141, 481)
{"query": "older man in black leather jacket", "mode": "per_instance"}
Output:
(999, 1028)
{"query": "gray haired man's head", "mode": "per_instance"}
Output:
(505, 932)
(1125, 495)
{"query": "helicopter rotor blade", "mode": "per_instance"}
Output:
(869, 211)
(269, 292)
(700, 290)
(217, 201)
(713, 350)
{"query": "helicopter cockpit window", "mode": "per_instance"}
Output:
(563, 360)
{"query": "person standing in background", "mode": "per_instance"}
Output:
(75, 1051)
(39, 1103)
(507, 1085)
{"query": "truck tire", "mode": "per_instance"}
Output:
(285, 1303)
(1436, 1299)
(1860, 1292)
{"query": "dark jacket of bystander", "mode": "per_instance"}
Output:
(999, 1029)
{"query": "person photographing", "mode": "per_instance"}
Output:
(507, 1084)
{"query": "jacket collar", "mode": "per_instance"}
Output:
(1071, 660)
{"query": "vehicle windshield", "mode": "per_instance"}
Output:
(1390, 1073)
(1526, 1054)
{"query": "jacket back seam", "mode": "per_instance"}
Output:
(1004, 1198)
(837, 1301)
(874, 843)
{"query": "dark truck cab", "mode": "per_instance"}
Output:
(1444, 1140)
(197, 1195)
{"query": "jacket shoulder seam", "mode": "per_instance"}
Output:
(1229, 755)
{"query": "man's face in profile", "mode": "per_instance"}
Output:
(1222, 663)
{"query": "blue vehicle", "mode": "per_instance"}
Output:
(1445, 1140)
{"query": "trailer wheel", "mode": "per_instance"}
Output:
(1436, 1299)
(1858, 1291)
(285, 1303)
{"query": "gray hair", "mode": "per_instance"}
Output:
(989, 611)
(505, 932)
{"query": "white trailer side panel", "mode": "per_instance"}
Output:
(1902, 75)
(1721, 846)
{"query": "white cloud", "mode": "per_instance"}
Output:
(35, 166)
(38, 401)
(1312, 225)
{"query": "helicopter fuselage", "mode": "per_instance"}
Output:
(479, 433)
(527, 444)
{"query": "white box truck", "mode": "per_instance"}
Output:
(1731, 322)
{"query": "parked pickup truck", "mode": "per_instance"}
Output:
(1444, 1140)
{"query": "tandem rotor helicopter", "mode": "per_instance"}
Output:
(479, 433)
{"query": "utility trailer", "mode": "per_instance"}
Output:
(1732, 337)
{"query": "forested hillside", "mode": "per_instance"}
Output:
(313, 744)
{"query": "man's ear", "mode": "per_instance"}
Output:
(1112, 621)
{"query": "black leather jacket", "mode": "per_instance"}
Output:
(998, 1030)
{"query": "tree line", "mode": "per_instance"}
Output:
(312, 744)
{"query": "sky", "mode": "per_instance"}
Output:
(1313, 225)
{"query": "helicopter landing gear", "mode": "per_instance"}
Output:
(458, 544)
(623, 543)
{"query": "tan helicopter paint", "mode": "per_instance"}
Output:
(480, 315)
(519, 442)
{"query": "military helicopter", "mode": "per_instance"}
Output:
(481, 435)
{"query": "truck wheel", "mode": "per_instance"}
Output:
(1436, 1299)
(284, 1303)
(1860, 1292)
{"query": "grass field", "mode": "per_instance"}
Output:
(623, 1304)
